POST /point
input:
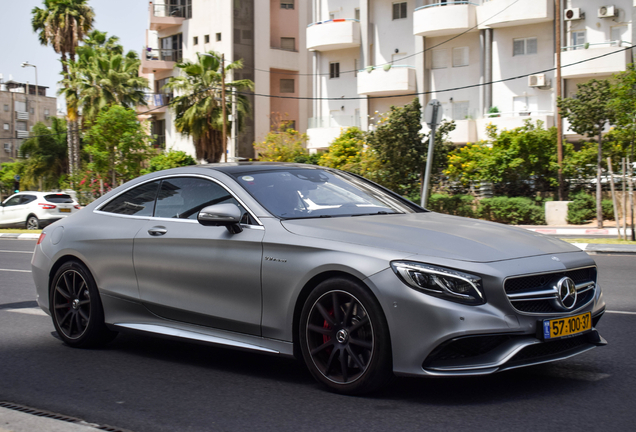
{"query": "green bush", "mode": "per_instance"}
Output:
(458, 205)
(515, 211)
(582, 209)
(608, 209)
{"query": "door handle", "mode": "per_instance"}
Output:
(157, 231)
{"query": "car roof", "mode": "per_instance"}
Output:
(246, 167)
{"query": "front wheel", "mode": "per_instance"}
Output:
(76, 308)
(344, 337)
(32, 223)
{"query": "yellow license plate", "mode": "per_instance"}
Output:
(570, 326)
(65, 210)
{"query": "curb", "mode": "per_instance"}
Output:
(20, 236)
(578, 231)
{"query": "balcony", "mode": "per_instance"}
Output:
(510, 13)
(512, 120)
(386, 80)
(21, 115)
(163, 16)
(323, 130)
(444, 19)
(333, 35)
(590, 66)
(157, 103)
(153, 60)
(21, 134)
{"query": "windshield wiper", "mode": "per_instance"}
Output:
(373, 214)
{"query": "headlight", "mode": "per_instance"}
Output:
(441, 282)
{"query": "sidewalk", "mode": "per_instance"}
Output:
(587, 232)
(17, 421)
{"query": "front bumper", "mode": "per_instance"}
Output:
(437, 337)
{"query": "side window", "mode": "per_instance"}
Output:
(138, 201)
(184, 197)
(27, 199)
(13, 201)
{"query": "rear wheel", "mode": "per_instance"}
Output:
(76, 308)
(32, 223)
(344, 338)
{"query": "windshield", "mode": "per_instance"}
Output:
(299, 193)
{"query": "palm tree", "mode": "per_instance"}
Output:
(198, 109)
(63, 24)
(47, 162)
(104, 76)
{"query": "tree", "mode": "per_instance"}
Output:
(46, 155)
(623, 95)
(198, 109)
(169, 159)
(118, 145)
(63, 24)
(346, 151)
(103, 75)
(588, 112)
(282, 145)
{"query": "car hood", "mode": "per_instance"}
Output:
(432, 234)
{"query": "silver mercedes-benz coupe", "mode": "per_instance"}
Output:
(304, 261)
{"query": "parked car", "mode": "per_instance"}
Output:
(35, 210)
(306, 261)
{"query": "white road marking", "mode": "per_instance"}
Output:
(24, 252)
(28, 311)
(14, 270)
(621, 312)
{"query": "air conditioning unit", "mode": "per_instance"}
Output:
(7, 147)
(573, 14)
(607, 12)
(537, 80)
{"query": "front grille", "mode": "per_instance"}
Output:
(537, 293)
(549, 349)
(466, 347)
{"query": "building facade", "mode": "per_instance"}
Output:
(268, 35)
(371, 54)
(21, 107)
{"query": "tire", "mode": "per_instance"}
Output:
(344, 338)
(32, 223)
(76, 309)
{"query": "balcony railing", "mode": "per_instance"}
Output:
(444, 19)
(451, 2)
(174, 55)
(173, 11)
(333, 34)
(614, 43)
(21, 134)
(22, 115)
(158, 99)
(334, 121)
(524, 113)
(605, 58)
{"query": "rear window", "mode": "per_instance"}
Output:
(59, 198)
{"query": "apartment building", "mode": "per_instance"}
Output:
(371, 54)
(21, 106)
(268, 35)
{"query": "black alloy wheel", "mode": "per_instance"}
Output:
(76, 307)
(344, 338)
(32, 223)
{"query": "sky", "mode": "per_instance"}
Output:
(127, 19)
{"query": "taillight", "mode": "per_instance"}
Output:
(47, 206)
(77, 207)
(42, 235)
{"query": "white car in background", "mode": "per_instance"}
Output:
(35, 210)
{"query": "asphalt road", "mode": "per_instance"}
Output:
(148, 384)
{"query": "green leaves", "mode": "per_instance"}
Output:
(589, 111)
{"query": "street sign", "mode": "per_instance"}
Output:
(16, 177)
(433, 113)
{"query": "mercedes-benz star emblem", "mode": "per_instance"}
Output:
(567, 293)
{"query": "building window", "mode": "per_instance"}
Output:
(332, 16)
(32, 110)
(218, 37)
(578, 39)
(287, 86)
(399, 10)
(357, 14)
(460, 56)
(20, 106)
(21, 126)
(440, 59)
(206, 39)
(6, 126)
(195, 40)
(237, 35)
(287, 43)
(460, 110)
(334, 70)
(47, 113)
(524, 46)
(6, 107)
(286, 4)
(247, 34)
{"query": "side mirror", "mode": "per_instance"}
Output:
(227, 215)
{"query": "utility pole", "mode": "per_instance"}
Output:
(432, 116)
(223, 107)
(559, 122)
